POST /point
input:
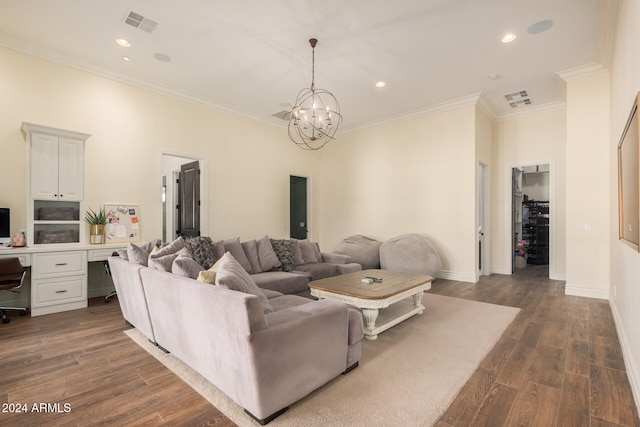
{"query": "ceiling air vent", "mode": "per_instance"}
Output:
(518, 99)
(284, 115)
(138, 21)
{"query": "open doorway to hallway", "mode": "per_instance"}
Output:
(531, 217)
(182, 190)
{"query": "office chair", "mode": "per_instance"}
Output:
(11, 277)
(111, 294)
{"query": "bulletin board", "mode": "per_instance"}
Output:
(123, 222)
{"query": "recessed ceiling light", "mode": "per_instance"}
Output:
(494, 76)
(381, 84)
(509, 37)
(123, 42)
(540, 26)
(126, 58)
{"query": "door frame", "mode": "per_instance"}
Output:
(552, 213)
(483, 220)
(166, 154)
(309, 198)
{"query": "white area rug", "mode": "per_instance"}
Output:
(407, 377)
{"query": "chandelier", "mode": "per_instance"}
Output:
(315, 117)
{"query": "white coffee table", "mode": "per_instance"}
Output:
(371, 298)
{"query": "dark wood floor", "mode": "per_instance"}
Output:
(558, 364)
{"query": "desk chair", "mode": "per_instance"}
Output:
(11, 277)
(111, 294)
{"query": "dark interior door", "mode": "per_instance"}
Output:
(298, 226)
(189, 200)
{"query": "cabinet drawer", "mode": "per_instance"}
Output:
(101, 254)
(59, 290)
(25, 259)
(55, 264)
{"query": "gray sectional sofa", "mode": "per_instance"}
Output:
(264, 349)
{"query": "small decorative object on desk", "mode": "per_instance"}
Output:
(97, 221)
(18, 240)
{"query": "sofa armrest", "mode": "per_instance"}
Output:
(303, 348)
(332, 258)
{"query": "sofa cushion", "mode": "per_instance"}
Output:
(202, 251)
(186, 266)
(285, 251)
(282, 302)
(280, 281)
(235, 247)
(250, 248)
(232, 275)
(266, 255)
(319, 270)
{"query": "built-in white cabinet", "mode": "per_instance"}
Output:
(57, 167)
(58, 282)
(56, 185)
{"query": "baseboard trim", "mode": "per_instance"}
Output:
(460, 277)
(627, 355)
(500, 270)
(579, 291)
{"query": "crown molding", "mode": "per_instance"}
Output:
(581, 71)
(434, 109)
(552, 106)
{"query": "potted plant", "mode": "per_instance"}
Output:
(97, 221)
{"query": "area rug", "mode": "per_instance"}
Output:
(408, 376)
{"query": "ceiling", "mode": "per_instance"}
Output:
(252, 57)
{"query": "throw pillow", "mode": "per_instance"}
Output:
(162, 258)
(202, 250)
(266, 256)
(235, 247)
(137, 255)
(251, 251)
(209, 276)
(308, 253)
(186, 266)
(297, 256)
(285, 251)
(218, 250)
(316, 250)
(232, 275)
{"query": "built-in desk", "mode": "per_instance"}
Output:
(59, 273)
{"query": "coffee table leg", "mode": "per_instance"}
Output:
(417, 301)
(370, 315)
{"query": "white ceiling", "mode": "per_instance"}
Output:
(253, 56)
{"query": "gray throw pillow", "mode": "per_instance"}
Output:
(285, 251)
(251, 251)
(266, 255)
(137, 255)
(186, 266)
(202, 250)
(297, 255)
(235, 247)
(308, 252)
(232, 275)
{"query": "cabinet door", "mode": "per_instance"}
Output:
(44, 166)
(70, 169)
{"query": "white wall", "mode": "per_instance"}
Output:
(531, 139)
(249, 163)
(625, 263)
(415, 176)
(588, 185)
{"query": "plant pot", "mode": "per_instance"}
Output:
(96, 234)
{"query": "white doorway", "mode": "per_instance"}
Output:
(171, 163)
(482, 221)
(532, 217)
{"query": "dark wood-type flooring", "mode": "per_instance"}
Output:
(558, 364)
